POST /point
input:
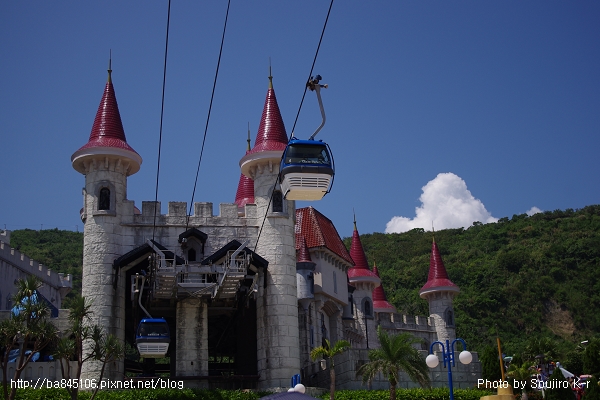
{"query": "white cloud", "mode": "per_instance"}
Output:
(533, 210)
(447, 203)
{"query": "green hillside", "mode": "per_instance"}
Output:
(61, 251)
(531, 277)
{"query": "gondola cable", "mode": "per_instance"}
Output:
(187, 221)
(295, 121)
(162, 109)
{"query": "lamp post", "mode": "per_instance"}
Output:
(464, 357)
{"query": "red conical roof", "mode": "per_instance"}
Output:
(380, 303)
(271, 133)
(107, 137)
(361, 270)
(302, 254)
(438, 279)
(107, 130)
(245, 189)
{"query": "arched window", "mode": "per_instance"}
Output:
(191, 255)
(311, 282)
(449, 316)
(277, 201)
(367, 308)
(104, 199)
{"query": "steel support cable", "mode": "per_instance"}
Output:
(162, 110)
(187, 222)
(295, 121)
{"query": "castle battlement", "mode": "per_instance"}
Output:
(406, 322)
(203, 213)
(32, 267)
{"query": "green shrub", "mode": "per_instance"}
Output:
(409, 394)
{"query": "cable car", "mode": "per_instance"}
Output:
(307, 170)
(153, 338)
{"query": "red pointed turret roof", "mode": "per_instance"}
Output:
(271, 133)
(107, 133)
(361, 270)
(107, 130)
(318, 231)
(438, 279)
(245, 190)
(302, 254)
(380, 303)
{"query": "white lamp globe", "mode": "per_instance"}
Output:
(300, 388)
(465, 357)
(290, 389)
(432, 361)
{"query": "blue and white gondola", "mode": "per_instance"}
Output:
(153, 338)
(306, 170)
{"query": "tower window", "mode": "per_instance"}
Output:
(449, 316)
(311, 283)
(277, 201)
(191, 255)
(367, 308)
(334, 283)
(104, 199)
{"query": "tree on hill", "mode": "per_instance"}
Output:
(396, 354)
(534, 276)
(558, 390)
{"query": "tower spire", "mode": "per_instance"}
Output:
(109, 66)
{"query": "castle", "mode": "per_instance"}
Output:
(247, 293)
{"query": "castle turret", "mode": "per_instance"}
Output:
(106, 160)
(245, 190)
(277, 307)
(380, 303)
(439, 292)
(365, 281)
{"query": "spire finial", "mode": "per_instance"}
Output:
(354, 219)
(248, 136)
(109, 65)
(433, 231)
(270, 75)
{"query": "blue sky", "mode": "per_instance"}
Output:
(502, 98)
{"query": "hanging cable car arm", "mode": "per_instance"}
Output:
(313, 84)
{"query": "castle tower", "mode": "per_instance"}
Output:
(380, 303)
(439, 292)
(106, 160)
(277, 306)
(305, 279)
(365, 281)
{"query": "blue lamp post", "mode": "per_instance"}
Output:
(464, 357)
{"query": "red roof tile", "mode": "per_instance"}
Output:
(438, 277)
(380, 303)
(245, 190)
(319, 231)
(361, 268)
(302, 254)
(107, 130)
(271, 133)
